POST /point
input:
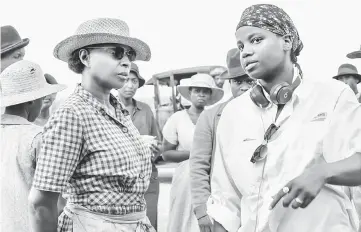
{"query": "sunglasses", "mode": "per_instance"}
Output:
(260, 152)
(118, 52)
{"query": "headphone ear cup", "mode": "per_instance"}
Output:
(258, 97)
(281, 93)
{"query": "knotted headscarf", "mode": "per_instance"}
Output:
(274, 19)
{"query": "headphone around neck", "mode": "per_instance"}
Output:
(280, 94)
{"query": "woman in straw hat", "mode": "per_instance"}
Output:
(289, 145)
(44, 115)
(92, 153)
(23, 88)
(178, 136)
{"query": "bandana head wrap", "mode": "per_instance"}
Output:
(274, 19)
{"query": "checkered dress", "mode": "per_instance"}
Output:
(95, 160)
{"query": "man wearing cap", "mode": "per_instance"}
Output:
(348, 74)
(12, 46)
(204, 139)
(216, 74)
(144, 121)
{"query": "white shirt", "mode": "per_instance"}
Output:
(322, 120)
(179, 129)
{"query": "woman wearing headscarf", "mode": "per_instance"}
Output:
(290, 145)
(23, 88)
(200, 91)
(92, 153)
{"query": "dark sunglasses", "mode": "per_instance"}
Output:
(260, 152)
(119, 52)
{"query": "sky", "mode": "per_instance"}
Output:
(186, 33)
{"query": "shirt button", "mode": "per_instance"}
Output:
(125, 130)
(141, 175)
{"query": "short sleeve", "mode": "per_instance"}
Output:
(170, 132)
(62, 142)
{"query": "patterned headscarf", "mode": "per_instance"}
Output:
(274, 19)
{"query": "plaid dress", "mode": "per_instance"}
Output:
(93, 159)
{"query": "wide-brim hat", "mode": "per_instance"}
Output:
(347, 69)
(101, 31)
(134, 68)
(201, 80)
(354, 55)
(11, 40)
(234, 66)
(24, 81)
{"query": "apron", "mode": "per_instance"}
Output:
(85, 220)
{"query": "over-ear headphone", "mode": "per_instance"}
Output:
(280, 94)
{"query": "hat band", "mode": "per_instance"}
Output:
(201, 84)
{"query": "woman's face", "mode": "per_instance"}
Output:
(109, 65)
(262, 52)
(200, 96)
(48, 101)
(34, 108)
(130, 86)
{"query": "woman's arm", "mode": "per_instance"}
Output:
(171, 154)
(43, 210)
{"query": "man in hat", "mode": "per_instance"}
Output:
(203, 147)
(348, 74)
(12, 46)
(23, 88)
(144, 121)
(216, 74)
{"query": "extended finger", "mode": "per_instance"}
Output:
(279, 196)
(308, 199)
(290, 196)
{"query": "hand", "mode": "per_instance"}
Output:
(205, 224)
(155, 149)
(301, 190)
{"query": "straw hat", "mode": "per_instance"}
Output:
(347, 69)
(101, 31)
(201, 80)
(134, 68)
(24, 81)
(11, 40)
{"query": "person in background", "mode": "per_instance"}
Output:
(177, 142)
(23, 88)
(348, 74)
(44, 115)
(290, 145)
(216, 74)
(143, 119)
(12, 46)
(203, 146)
(91, 152)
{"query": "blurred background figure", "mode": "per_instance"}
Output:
(12, 46)
(178, 131)
(143, 119)
(47, 103)
(23, 88)
(348, 74)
